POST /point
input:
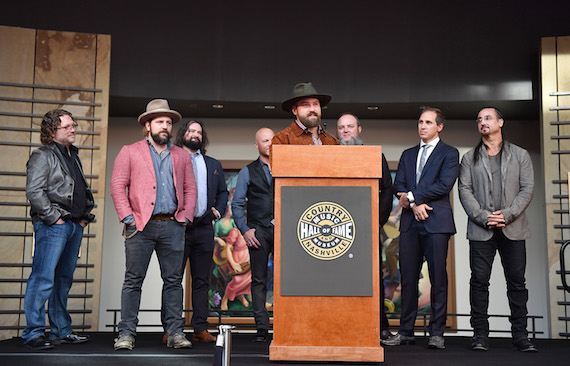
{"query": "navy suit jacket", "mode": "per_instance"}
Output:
(438, 177)
(217, 191)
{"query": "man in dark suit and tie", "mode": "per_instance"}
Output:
(211, 205)
(426, 174)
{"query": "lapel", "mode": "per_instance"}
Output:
(432, 157)
(144, 151)
(209, 174)
(412, 164)
(505, 160)
(55, 149)
(484, 157)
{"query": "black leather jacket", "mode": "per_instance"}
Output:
(49, 186)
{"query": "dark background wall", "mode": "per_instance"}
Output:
(247, 54)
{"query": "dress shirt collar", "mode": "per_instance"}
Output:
(304, 129)
(432, 143)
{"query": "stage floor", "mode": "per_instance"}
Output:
(149, 350)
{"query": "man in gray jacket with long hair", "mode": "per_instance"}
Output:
(496, 184)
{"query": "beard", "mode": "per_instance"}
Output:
(193, 145)
(310, 120)
(353, 141)
(160, 139)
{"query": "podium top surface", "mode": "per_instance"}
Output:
(326, 161)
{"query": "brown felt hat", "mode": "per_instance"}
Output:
(157, 108)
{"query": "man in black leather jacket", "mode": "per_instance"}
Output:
(61, 203)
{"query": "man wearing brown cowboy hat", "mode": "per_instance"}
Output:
(306, 105)
(154, 193)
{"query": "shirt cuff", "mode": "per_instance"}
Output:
(129, 219)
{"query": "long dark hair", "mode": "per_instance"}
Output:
(182, 130)
(480, 144)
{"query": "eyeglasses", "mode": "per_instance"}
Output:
(486, 118)
(68, 128)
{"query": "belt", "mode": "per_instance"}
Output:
(162, 217)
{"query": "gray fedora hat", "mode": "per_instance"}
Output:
(302, 91)
(157, 108)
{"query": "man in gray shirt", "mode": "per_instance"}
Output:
(496, 184)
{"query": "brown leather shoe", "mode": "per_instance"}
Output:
(203, 336)
(165, 338)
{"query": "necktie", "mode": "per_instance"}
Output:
(423, 159)
(195, 168)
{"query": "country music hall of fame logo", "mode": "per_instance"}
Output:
(326, 230)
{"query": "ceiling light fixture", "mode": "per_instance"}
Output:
(269, 107)
(372, 107)
(217, 106)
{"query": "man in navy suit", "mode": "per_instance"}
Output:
(426, 174)
(210, 205)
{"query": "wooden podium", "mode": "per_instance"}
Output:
(326, 278)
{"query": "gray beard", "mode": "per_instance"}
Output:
(352, 141)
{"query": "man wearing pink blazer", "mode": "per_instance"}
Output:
(154, 193)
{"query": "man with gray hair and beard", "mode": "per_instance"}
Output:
(348, 130)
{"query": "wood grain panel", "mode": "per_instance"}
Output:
(318, 328)
(67, 60)
(340, 161)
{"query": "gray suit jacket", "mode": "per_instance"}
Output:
(475, 187)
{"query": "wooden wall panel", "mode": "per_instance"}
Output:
(45, 70)
(555, 99)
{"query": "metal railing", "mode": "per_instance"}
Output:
(423, 318)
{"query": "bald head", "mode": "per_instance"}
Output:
(263, 138)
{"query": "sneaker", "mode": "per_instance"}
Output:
(524, 345)
(480, 343)
(436, 342)
(124, 341)
(178, 340)
(71, 338)
(398, 340)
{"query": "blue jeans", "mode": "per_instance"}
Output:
(55, 257)
(167, 239)
(513, 258)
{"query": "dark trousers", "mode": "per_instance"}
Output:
(199, 248)
(384, 325)
(166, 239)
(513, 258)
(414, 245)
(259, 258)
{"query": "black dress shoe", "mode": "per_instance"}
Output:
(39, 343)
(385, 334)
(261, 336)
(480, 343)
(72, 338)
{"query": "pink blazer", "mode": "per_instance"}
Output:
(133, 183)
